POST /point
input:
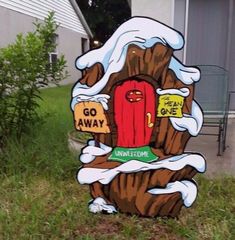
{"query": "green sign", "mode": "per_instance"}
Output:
(143, 154)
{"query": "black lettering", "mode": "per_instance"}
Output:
(101, 123)
(175, 104)
(88, 122)
(86, 111)
(80, 123)
(93, 112)
(95, 123)
(173, 110)
(163, 112)
(169, 103)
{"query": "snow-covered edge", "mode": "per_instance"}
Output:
(140, 31)
(188, 75)
(175, 163)
(190, 122)
(187, 189)
(184, 92)
(100, 205)
(90, 152)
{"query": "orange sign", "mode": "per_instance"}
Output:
(90, 117)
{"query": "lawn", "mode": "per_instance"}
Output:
(40, 198)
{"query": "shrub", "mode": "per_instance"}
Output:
(25, 68)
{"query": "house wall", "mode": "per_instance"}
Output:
(161, 10)
(207, 44)
(207, 32)
(180, 25)
(64, 12)
(69, 41)
(170, 12)
(70, 44)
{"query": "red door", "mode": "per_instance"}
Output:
(134, 111)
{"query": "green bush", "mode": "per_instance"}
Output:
(25, 68)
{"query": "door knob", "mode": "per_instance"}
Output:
(149, 122)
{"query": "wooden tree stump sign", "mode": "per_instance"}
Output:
(138, 101)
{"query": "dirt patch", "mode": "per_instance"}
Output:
(104, 227)
(125, 227)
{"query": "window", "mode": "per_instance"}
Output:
(85, 47)
(54, 55)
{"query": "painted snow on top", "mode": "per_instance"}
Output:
(143, 32)
(140, 31)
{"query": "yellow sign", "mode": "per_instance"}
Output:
(90, 117)
(170, 106)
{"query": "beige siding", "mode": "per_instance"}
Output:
(64, 12)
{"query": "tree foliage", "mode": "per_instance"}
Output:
(24, 68)
(104, 16)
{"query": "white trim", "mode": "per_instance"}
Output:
(186, 31)
(50, 56)
(81, 17)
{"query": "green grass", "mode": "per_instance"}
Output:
(44, 150)
(40, 198)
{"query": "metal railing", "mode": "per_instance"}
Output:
(213, 96)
